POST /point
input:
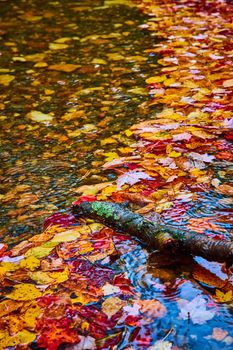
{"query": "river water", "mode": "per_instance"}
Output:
(83, 65)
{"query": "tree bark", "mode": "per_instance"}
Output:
(154, 235)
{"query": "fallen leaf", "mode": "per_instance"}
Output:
(151, 309)
(31, 263)
(8, 306)
(60, 276)
(57, 46)
(132, 177)
(225, 189)
(23, 338)
(195, 310)
(23, 292)
(219, 334)
(6, 79)
(112, 305)
(27, 199)
(92, 189)
(158, 79)
(40, 117)
(224, 297)
(64, 67)
(31, 314)
(228, 83)
(40, 277)
(109, 289)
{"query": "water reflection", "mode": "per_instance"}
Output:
(83, 66)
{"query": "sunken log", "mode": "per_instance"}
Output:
(164, 238)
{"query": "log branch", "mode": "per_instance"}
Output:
(154, 235)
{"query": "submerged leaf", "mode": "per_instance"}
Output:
(195, 310)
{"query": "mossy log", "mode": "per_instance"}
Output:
(164, 238)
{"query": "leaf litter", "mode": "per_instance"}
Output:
(92, 286)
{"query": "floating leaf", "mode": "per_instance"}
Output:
(132, 177)
(224, 297)
(195, 310)
(219, 334)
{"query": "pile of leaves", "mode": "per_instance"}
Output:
(85, 285)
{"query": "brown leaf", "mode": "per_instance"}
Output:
(225, 189)
(112, 305)
(27, 199)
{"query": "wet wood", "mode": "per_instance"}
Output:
(154, 235)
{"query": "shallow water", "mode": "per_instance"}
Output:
(43, 162)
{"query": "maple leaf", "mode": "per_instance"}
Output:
(24, 291)
(195, 310)
(202, 157)
(151, 309)
(219, 334)
(110, 289)
(224, 297)
(23, 337)
(132, 177)
(228, 123)
(40, 117)
(112, 305)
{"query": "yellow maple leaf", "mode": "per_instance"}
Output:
(128, 132)
(157, 79)
(106, 192)
(92, 189)
(40, 277)
(24, 337)
(108, 141)
(60, 277)
(32, 313)
(224, 297)
(5, 79)
(110, 156)
(24, 291)
(31, 263)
